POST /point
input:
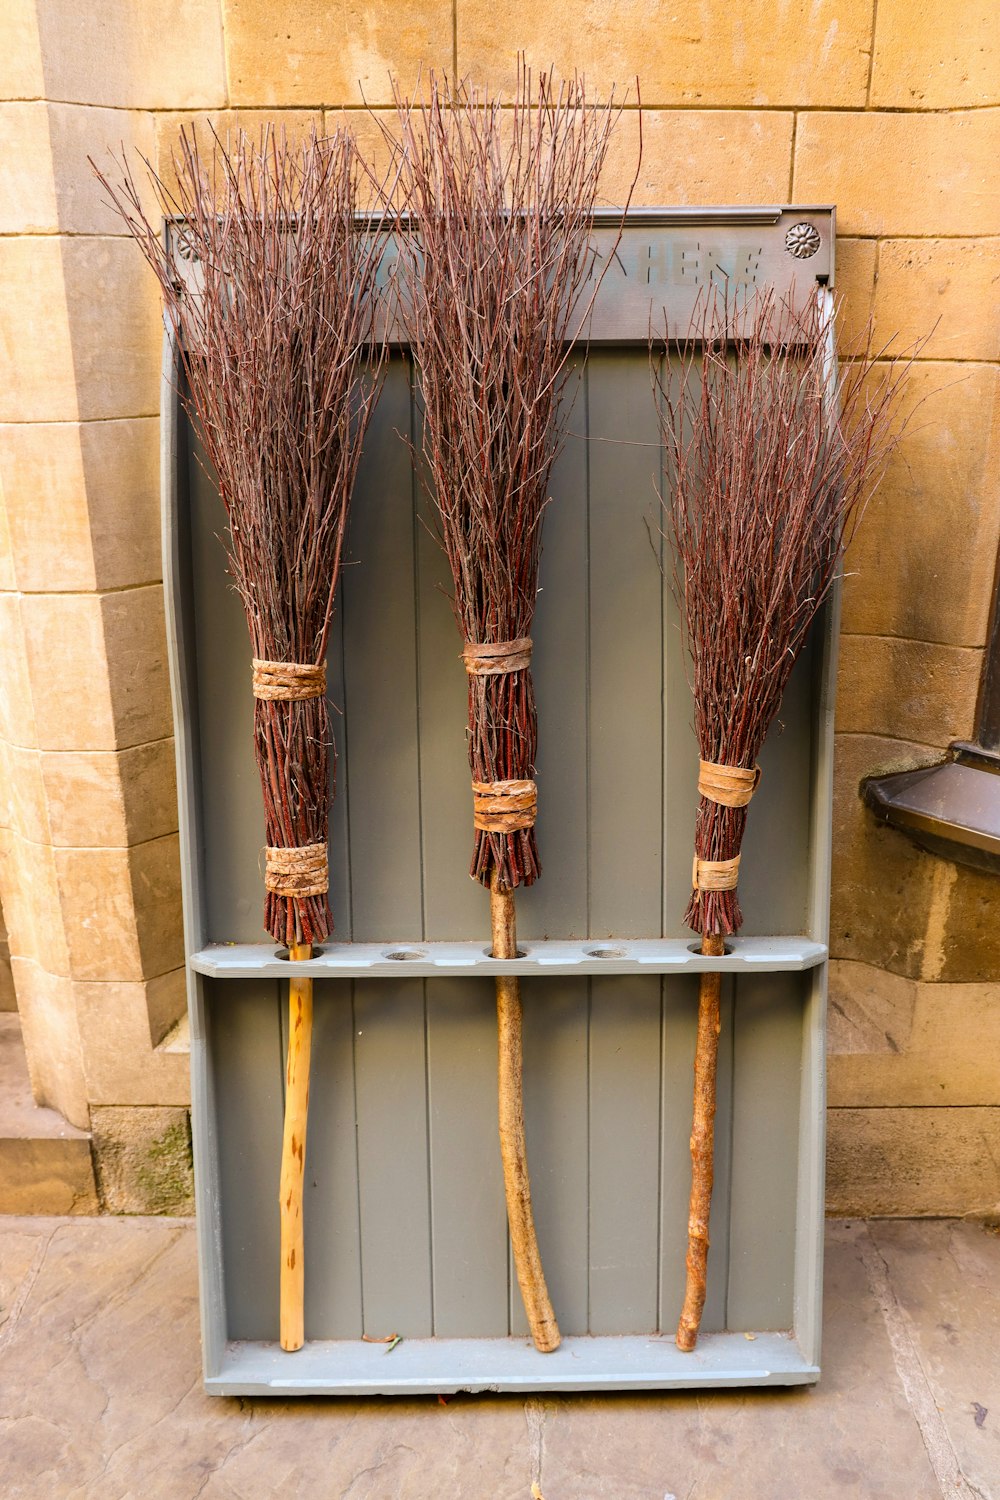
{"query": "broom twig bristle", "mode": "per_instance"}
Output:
(771, 459)
(497, 281)
(280, 374)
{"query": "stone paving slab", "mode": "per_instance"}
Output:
(947, 1283)
(101, 1399)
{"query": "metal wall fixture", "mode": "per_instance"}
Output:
(405, 1224)
(952, 808)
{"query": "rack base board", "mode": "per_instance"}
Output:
(446, 1366)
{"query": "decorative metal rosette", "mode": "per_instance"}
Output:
(802, 240)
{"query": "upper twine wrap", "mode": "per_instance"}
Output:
(731, 786)
(490, 659)
(300, 871)
(288, 680)
(727, 786)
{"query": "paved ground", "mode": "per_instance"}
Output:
(100, 1395)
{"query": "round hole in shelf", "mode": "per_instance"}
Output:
(606, 952)
(696, 948)
(406, 955)
(521, 953)
(285, 955)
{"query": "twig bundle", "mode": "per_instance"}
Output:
(275, 350)
(276, 371)
(772, 458)
(494, 286)
(494, 296)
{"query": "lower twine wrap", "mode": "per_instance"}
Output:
(715, 874)
(504, 806)
(302, 870)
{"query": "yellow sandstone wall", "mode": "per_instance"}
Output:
(889, 108)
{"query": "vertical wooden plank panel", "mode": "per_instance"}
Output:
(680, 1011)
(330, 1211)
(626, 667)
(454, 905)
(809, 1238)
(767, 1071)
(824, 692)
(680, 994)
(716, 1313)
(182, 659)
(680, 1021)
(680, 747)
(390, 1074)
(774, 887)
(380, 671)
(208, 1191)
(625, 807)
(467, 1201)
(624, 1166)
(807, 1302)
(556, 1125)
(232, 809)
(247, 1065)
(340, 781)
(557, 902)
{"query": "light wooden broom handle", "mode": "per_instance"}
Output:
(706, 1059)
(293, 1155)
(524, 1242)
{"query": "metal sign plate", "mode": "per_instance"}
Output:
(666, 259)
(660, 261)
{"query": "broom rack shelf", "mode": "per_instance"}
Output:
(403, 1123)
(419, 960)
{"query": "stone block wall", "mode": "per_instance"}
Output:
(890, 109)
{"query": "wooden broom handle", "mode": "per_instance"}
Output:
(706, 1059)
(293, 1155)
(524, 1242)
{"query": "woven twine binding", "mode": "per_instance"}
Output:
(491, 659)
(504, 806)
(299, 871)
(303, 869)
(715, 874)
(731, 786)
(288, 680)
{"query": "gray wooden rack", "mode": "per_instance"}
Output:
(405, 1224)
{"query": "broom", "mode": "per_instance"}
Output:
(492, 287)
(276, 357)
(771, 459)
